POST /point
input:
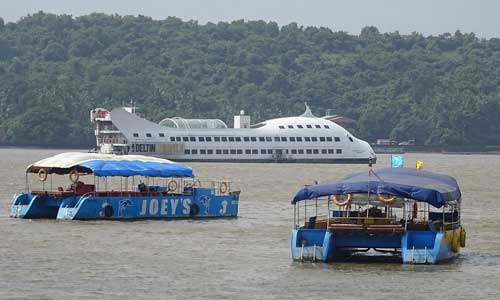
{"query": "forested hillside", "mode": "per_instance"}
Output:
(55, 68)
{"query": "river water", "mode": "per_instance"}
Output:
(243, 258)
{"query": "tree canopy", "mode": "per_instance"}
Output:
(439, 90)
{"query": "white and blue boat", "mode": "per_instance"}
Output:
(400, 212)
(122, 187)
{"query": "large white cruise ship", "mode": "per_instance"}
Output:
(304, 138)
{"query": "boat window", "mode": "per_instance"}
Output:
(194, 151)
(192, 138)
(261, 139)
(299, 139)
(161, 134)
(218, 151)
(292, 139)
(203, 151)
(172, 138)
(283, 139)
(330, 151)
(323, 151)
(327, 127)
(314, 139)
(315, 151)
(317, 126)
(223, 139)
(322, 139)
(187, 151)
(148, 134)
(238, 139)
(253, 139)
(239, 151)
(309, 151)
(233, 151)
(136, 135)
(269, 139)
(263, 151)
(328, 138)
(201, 139)
(307, 139)
(350, 139)
(255, 151)
(258, 125)
(294, 151)
(269, 151)
(246, 139)
(208, 139)
(301, 151)
(178, 138)
(286, 151)
(290, 126)
(339, 151)
(276, 139)
(281, 127)
(185, 139)
(210, 151)
(300, 126)
(309, 126)
(337, 139)
(225, 151)
(231, 138)
(216, 139)
(248, 151)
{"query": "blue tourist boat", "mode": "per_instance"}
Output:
(405, 212)
(122, 187)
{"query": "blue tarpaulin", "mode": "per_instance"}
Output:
(137, 168)
(436, 189)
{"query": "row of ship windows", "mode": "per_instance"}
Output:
(262, 151)
(302, 126)
(249, 138)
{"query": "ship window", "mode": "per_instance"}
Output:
(317, 126)
(233, 151)
(210, 151)
(231, 138)
(276, 139)
(185, 139)
(321, 138)
(290, 126)
(255, 151)
(300, 126)
(283, 138)
(261, 139)
(178, 138)
(299, 139)
(339, 151)
(201, 139)
(253, 139)
(309, 151)
(337, 139)
(281, 127)
(248, 151)
(315, 151)
(330, 151)
(218, 151)
(314, 139)
(246, 139)
(269, 151)
(239, 151)
(172, 138)
(350, 139)
(208, 139)
(263, 151)
(225, 151)
(309, 126)
(323, 151)
(224, 139)
(136, 135)
(307, 139)
(328, 138)
(286, 151)
(192, 139)
(327, 127)
(292, 139)
(161, 134)
(301, 151)
(294, 151)
(238, 139)
(203, 151)
(217, 139)
(194, 151)
(148, 134)
(269, 139)
(187, 151)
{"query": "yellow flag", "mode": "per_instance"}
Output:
(419, 164)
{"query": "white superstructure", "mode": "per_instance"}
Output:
(304, 138)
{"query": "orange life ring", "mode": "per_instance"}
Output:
(347, 202)
(223, 187)
(74, 176)
(388, 200)
(172, 185)
(42, 174)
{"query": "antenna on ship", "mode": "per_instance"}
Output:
(308, 112)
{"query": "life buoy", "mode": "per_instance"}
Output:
(455, 242)
(108, 210)
(42, 174)
(346, 202)
(172, 185)
(74, 176)
(388, 200)
(463, 236)
(223, 187)
(188, 184)
(194, 210)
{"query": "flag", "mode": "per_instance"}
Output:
(397, 161)
(419, 165)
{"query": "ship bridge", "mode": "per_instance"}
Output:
(192, 123)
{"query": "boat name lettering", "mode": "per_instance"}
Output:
(143, 148)
(160, 207)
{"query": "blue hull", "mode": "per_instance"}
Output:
(416, 247)
(200, 203)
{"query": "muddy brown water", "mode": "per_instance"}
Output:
(243, 258)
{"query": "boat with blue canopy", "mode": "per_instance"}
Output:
(120, 187)
(395, 211)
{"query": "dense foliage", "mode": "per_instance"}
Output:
(55, 68)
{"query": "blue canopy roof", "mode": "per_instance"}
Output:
(137, 168)
(435, 189)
